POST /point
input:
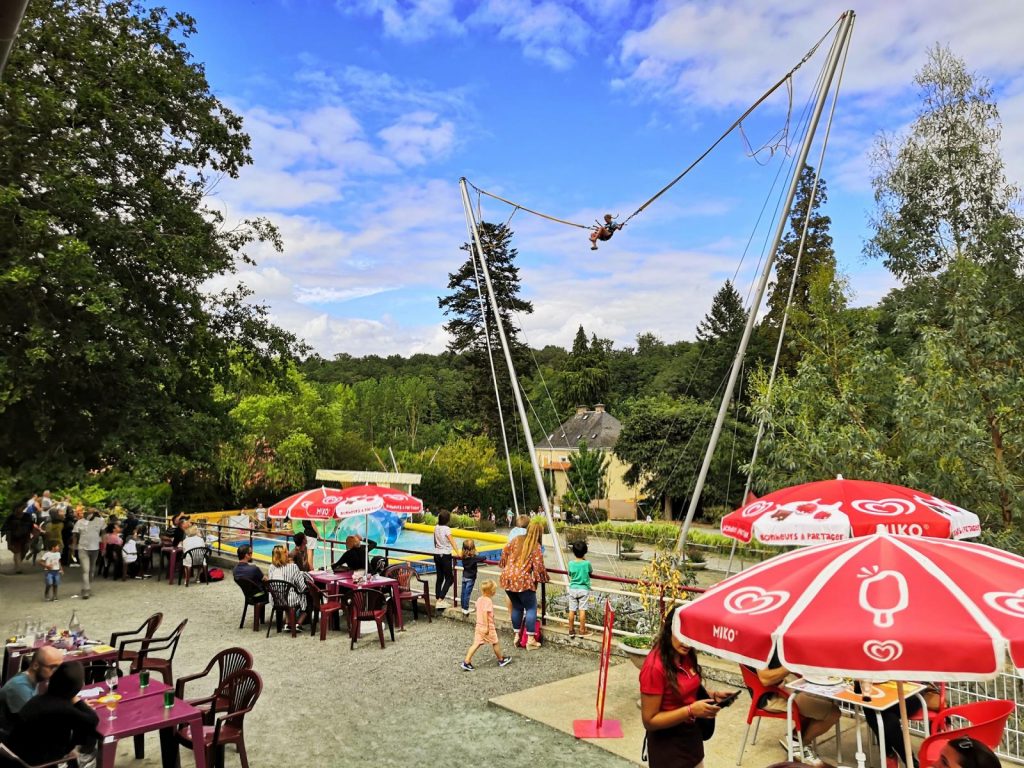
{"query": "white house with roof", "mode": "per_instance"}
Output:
(601, 431)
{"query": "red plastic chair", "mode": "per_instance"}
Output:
(144, 632)
(8, 758)
(406, 575)
(162, 665)
(935, 723)
(230, 703)
(370, 605)
(228, 661)
(757, 691)
(323, 608)
(987, 722)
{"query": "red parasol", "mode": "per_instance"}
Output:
(315, 504)
(832, 510)
(876, 608)
(367, 499)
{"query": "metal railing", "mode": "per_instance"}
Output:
(1009, 685)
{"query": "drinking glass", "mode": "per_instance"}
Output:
(110, 702)
(111, 678)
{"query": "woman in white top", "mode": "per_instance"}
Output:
(88, 530)
(192, 541)
(283, 569)
(443, 566)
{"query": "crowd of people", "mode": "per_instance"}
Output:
(58, 535)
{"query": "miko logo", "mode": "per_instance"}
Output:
(883, 594)
(753, 601)
(884, 507)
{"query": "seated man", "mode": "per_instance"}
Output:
(19, 689)
(52, 724)
(817, 715)
(245, 568)
(354, 559)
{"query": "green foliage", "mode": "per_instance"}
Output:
(462, 471)
(468, 316)
(663, 441)
(585, 378)
(587, 476)
(109, 141)
(147, 499)
(817, 250)
(719, 336)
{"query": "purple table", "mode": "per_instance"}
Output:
(172, 567)
(332, 581)
(143, 715)
(13, 655)
(128, 687)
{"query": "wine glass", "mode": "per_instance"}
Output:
(110, 702)
(111, 678)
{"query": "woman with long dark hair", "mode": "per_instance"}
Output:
(444, 545)
(671, 701)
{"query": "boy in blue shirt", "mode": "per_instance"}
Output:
(579, 588)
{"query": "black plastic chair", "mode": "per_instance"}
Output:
(256, 596)
(282, 601)
(195, 560)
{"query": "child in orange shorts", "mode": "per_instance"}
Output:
(486, 633)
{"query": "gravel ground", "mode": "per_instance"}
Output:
(324, 705)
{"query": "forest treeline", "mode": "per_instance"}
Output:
(120, 377)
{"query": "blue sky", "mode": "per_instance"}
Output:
(365, 113)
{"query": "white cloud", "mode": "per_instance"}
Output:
(417, 137)
(547, 31)
(409, 20)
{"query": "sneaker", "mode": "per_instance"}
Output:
(440, 605)
(76, 565)
(504, 662)
(465, 611)
(467, 667)
(810, 757)
(791, 744)
(532, 644)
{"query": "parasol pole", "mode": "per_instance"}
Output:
(906, 723)
(835, 56)
(514, 380)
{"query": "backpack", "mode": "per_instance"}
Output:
(378, 564)
(215, 574)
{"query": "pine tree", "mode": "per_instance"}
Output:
(817, 251)
(467, 318)
(718, 335)
(586, 377)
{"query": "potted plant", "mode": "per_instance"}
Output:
(695, 559)
(661, 583)
(628, 550)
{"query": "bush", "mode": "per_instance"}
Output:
(417, 517)
(573, 534)
(486, 526)
(714, 515)
(465, 522)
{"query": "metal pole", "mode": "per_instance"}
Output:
(514, 380)
(842, 36)
(11, 14)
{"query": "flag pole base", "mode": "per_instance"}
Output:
(591, 729)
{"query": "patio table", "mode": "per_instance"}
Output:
(334, 581)
(128, 688)
(883, 697)
(14, 653)
(136, 717)
(172, 553)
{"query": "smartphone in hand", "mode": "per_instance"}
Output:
(728, 700)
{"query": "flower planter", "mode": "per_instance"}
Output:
(637, 656)
(631, 555)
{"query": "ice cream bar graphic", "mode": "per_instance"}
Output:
(884, 594)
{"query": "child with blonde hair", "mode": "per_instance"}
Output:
(486, 633)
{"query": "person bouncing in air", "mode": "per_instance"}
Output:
(603, 231)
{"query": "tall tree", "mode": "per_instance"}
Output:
(110, 139)
(941, 190)
(946, 224)
(718, 336)
(588, 478)
(467, 318)
(817, 249)
(663, 441)
(585, 377)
